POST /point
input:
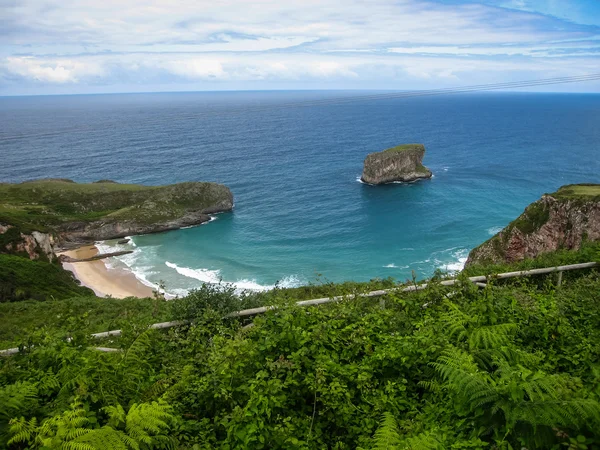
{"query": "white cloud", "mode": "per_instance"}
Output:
(195, 68)
(232, 41)
(52, 71)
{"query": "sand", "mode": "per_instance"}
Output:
(117, 283)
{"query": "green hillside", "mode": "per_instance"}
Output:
(42, 204)
(514, 365)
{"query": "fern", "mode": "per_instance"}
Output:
(513, 395)
(144, 425)
(16, 399)
(456, 321)
(387, 436)
(422, 441)
(491, 336)
(145, 422)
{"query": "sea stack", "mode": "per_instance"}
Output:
(403, 163)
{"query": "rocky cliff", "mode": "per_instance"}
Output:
(562, 220)
(403, 163)
(36, 216)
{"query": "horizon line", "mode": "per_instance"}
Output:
(216, 91)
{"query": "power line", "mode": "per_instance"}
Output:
(367, 97)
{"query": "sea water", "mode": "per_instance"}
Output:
(293, 161)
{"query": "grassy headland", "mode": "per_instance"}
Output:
(43, 204)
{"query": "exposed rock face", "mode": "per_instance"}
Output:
(45, 243)
(556, 221)
(403, 163)
(69, 259)
(35, 245)
(77, 233)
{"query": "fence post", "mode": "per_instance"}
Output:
(559, 281)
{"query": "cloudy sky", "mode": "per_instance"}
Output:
(79, 46)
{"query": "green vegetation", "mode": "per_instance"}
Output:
(22, 279)
(42, 204)
(406, 147)
(23, 321)
(578, 191)
(532, 219)
(589, 252)
(514, 365)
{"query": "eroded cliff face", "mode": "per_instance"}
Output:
(554, 222)
(35, 245)
(77, 233)
(399, 164)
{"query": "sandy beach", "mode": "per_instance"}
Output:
(102, 280)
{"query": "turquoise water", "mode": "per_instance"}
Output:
(300, 212)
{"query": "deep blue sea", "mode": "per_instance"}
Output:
(293, 159)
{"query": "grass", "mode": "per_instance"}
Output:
(534, 216)
(44, 204)
(22, 278)
(21, 320)
(578, 191)
(589, 252)
(406, 147)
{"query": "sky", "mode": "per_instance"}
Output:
(97, 46)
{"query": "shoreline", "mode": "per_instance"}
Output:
(116, 283)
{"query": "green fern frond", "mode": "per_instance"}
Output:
(423, 441)
(491, 336)
(456, 321)
(387, 436)
(22, 430)
(16, 398)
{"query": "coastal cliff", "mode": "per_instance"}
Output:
(403, 163)
(562, 220)
(37, 216)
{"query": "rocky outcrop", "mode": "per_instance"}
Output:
(35, 245)
(69, 259)
(398, 164)
(562, 220)
(66, 214)
(77, 233)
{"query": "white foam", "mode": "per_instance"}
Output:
(358, 178)
(458, 264)
(494, 230)
(214, 277)
(391, 266)
(204, 275)
(212, 219)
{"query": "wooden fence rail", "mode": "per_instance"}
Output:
(478, 280)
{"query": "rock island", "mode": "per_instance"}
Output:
(403, 163)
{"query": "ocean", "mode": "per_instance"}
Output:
(293, 162)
